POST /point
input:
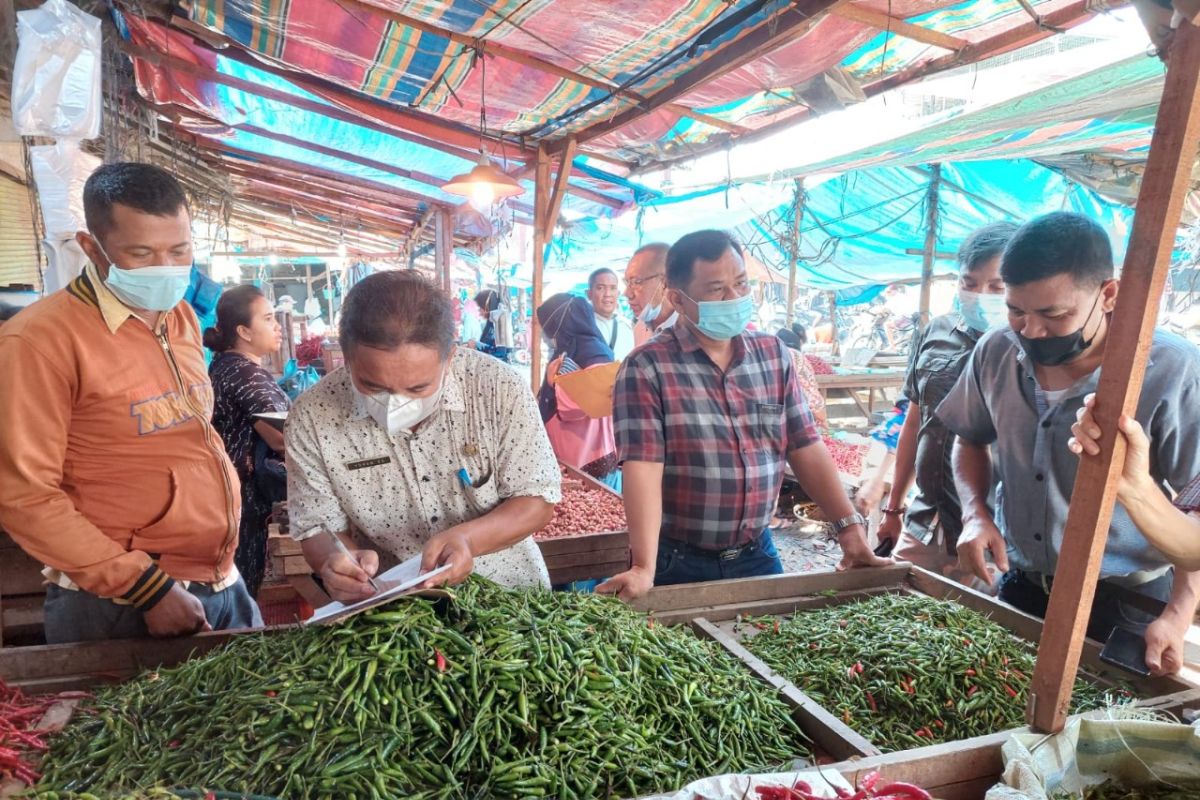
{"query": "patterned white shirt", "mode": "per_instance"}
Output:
(393, 493)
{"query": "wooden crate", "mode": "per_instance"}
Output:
(586, 556)
(710, 609)
(22, 595)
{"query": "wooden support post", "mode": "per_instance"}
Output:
(546, 205)
(541, 210)
(833, 321)
(931, 223)
(1165, 184)
(794, 249)
(444, 247)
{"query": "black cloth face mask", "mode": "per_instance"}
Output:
(1054, 351)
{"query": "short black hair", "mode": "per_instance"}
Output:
(596, 275)
(1060, 243)
(394, 308)
(789, 337)
(984, 244)
(143, 187)
(707, 245)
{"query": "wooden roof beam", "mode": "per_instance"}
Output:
(518, 56)
(883, 22)
(766, 37)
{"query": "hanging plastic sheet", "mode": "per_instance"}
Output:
(56, 75)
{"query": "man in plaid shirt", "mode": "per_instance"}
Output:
(705, 414)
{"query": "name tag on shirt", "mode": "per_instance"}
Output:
(370, 462)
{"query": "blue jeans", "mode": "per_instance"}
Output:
(680, 565)
(77, 616)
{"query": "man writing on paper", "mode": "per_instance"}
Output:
(416, 446)
(646, 291)
(603, 294)
(1020, 394)
(705, 414)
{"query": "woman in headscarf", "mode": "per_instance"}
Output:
(586, 443)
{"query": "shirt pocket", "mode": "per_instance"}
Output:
(483, 494)
(770, 423)
(936, 376)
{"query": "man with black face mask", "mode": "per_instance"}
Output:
(1020, 394)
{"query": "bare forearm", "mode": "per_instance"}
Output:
(1175, 533)
(271, 435)
(642, 488)
(317, 549)
(904, 472)
(507, 524)
(972, 477)
(1185, 595)
(818, 476)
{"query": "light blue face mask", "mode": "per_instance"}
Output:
(724, 319)
(982, 312)
(148, 288)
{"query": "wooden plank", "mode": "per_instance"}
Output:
(749, 45)
(620, 555)
(20, 574)
(587, 543)
(589, 572)
(1160, 203)
(541, 207)
(931, 235)
(444, 248)
(774, 587)
(883, 22)
(561, 182)
(826, 730)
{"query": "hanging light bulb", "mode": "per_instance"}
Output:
(342, 250)
(483, 185)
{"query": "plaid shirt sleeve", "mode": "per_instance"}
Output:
(1189, 498)
(638, 412)
(800, 425)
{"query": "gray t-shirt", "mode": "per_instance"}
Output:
(997, 401)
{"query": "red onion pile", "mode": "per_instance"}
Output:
(819, 365)
(847, 457)
(584, 510)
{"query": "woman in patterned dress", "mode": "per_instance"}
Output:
(245, 332)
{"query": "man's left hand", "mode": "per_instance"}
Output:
(855, 552)
(1164, 645)
(448, 547)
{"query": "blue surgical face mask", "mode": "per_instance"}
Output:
(982, 312)
(157, 288)
(724, 319)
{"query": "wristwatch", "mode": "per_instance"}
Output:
(840, 525)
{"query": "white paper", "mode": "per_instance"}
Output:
(396, 581)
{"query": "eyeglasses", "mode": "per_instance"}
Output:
(636, 283)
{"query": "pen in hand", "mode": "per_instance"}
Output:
(337, 540)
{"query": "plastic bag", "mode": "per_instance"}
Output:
(60, 170)
(297, 380)
(56, 75)
(1090, 751)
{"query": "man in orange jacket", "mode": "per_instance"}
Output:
(111, 473)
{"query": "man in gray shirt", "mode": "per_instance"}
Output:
(1020, 393)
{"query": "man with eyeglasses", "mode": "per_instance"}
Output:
(705, 415)
(646, 291)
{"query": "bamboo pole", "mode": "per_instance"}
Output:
(931, 223)
(1165, 184)
(541, 209)
(794, 249)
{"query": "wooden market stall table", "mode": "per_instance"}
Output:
(861, 386)
(961, 770)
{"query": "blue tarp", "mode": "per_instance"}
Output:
(856, 227)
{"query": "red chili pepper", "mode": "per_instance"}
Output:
(776, 625)
(923, 733)
(907, 790)
(871, 702)
(441, 660)
(967, 642)
(1011, 691)
(858, 667)
(1019, 674)
(173, 744)
(869, 781)
(970, 673)
(271, 693)
(937, 723)
(972, 691)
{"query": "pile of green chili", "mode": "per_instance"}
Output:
(908, 671)
(493, 693)
(1113, 791)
